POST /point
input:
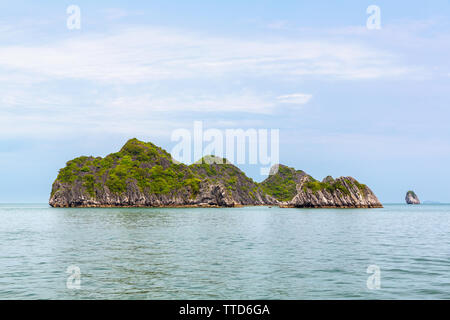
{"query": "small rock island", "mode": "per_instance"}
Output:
(144, 175)
(412, 198)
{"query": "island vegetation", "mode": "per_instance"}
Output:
(143, 174)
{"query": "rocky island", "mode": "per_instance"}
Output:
(144, 175)
(412, 198)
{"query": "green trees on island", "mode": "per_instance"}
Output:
(153, 171)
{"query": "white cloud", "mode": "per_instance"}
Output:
(147, 54)
(244, 102)
(73, 122)
(295, 98)
(33, 100)
(42, 113)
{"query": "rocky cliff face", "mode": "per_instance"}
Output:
(144, 175)
(295, 188)
(343, 192)
(412, 198)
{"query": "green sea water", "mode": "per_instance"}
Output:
(224, 253)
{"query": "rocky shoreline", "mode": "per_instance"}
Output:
(144, 175)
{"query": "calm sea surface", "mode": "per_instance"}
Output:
(237, 253)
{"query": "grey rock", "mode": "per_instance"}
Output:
(412, 198)
(343, 192)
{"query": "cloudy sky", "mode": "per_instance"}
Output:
(348, 100)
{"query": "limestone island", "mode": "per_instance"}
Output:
(144, 175)
(412, 198)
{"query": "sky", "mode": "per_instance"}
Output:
(347, 100)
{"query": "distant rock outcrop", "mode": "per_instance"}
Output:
(144, 175)
(412, 198)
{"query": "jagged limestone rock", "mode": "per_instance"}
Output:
(412, 198)
(343, 192)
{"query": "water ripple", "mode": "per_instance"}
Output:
(238, 253)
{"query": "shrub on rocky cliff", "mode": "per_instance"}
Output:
(282, 185)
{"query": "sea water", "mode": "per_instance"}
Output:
(398, 252)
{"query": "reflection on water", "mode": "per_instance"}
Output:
(237, 253)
